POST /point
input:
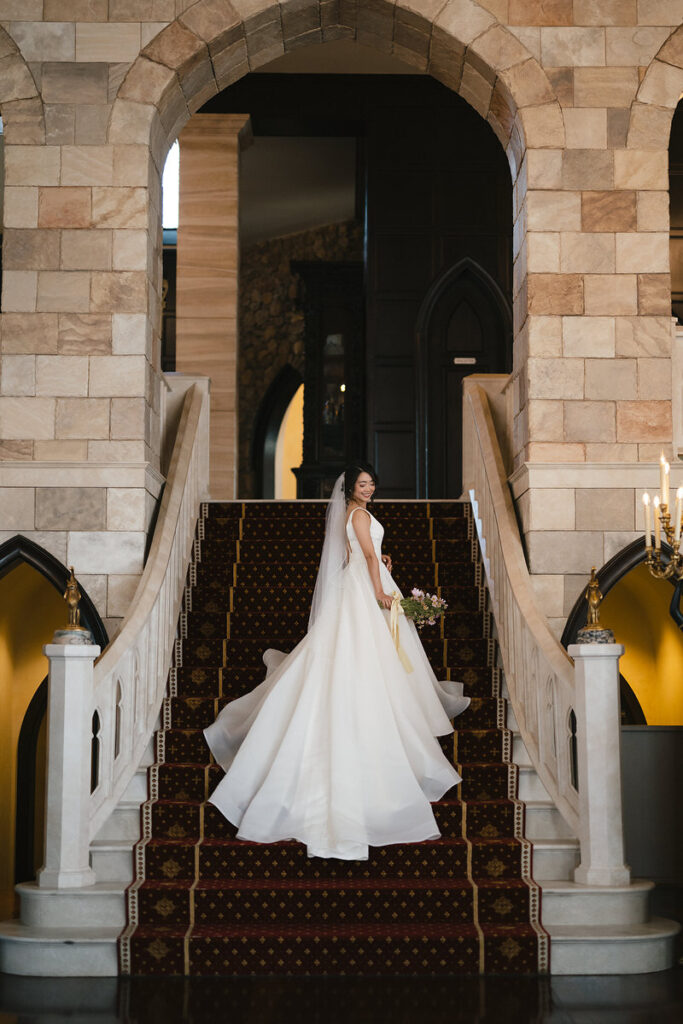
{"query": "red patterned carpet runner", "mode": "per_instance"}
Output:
(205, 903)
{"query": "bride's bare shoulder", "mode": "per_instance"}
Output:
(357, 508)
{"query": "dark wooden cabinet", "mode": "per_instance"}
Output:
(334, 397)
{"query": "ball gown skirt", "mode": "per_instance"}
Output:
(337, 746)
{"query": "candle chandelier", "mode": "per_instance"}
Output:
(666, 526)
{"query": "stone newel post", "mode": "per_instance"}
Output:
(599, 756)
(67, 825)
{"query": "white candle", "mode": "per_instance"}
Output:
(679, 509)
(665, 492)
(648, 521)
(658, 539)
(662, 464)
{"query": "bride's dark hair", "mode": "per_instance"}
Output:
(351, 474)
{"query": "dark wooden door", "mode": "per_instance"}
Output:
(464, 327)
(334, 397)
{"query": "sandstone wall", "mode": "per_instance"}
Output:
(580, 94)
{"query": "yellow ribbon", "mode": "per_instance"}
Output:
(394, 613)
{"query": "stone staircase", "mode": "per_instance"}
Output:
(592, 930)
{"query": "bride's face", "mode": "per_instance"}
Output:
(364, 488)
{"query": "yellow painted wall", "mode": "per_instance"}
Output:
(637, 611)
(30, 611)
(290, 446)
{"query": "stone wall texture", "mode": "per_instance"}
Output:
(271, 321)
(580, 94)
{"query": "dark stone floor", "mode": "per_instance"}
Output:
(622, 999)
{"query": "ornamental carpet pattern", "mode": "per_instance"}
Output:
(205, 903)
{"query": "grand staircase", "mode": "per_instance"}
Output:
(203, 902)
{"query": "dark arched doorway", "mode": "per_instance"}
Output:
(464, 326)
(267, 426)
(20, 553)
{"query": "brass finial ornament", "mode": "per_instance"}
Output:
(73, 633)
(593, 632)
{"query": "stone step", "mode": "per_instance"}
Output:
(568, 903)
(519, 751)
(613, 948)
(123, 822)
(112, 860)
(95, 906)
(554, 859)
(530, 786)
(543, 821)
(136, 790)
(58, 952)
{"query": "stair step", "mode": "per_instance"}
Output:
(112, 859)
(101, 905)
(530, 786)
(136, 790)
(272, 902)
(554, 858)
(613, 949)
(123, 823)
(481, 858)
(356, 949)
(542, 820)
(567, 903)
(58, 952)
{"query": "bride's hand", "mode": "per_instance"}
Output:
(385, 600)
(387, 561)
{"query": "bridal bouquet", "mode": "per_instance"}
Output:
(422, 608)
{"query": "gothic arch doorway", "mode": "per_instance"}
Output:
(464, 326)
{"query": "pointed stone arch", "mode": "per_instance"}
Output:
(20, 103)
(658, 97)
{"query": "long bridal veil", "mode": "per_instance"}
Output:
(333, 557)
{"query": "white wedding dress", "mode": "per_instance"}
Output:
(337, 746)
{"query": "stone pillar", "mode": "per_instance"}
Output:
(207, 276)
(67, 817)
(601, 830)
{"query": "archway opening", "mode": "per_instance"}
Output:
(676, 212)
(289, 447)
(636, 609)
(30, 611)
(32, 582)
(432, 188)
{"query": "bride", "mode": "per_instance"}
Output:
(337, 746)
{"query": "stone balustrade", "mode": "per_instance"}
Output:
(568, 715)
(101, 718)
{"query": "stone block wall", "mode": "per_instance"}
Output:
(271, 321)
(580, 94)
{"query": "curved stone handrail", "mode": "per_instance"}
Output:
(538, 671)
(130, 677)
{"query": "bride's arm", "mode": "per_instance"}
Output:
(361, 524)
